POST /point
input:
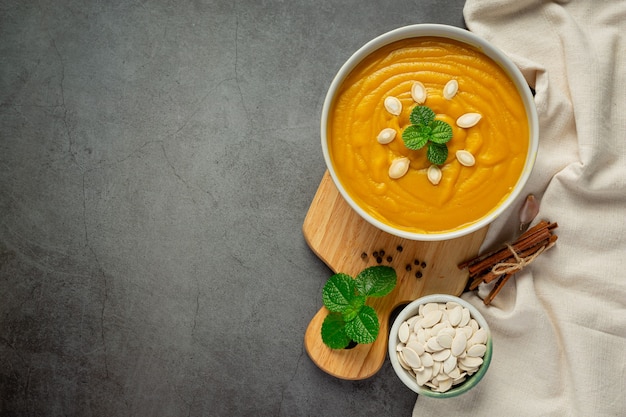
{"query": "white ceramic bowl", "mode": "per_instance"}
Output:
(412, 310)
(454, 33)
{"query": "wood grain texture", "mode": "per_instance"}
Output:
(339, 236)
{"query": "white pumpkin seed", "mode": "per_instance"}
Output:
(441, 325)
(442, 377)
(465, 158)
(458, 380)
(467, 330)
(471, 362)
(437, 368)
(469, 369)
(444, 340)
(412, 321)
(386, 135)
(474, 325)
(450, 89)
(465, 317)
(428, 333)
(449, 331)
(427, 359)
(433, 346)
(416, 370)
(441, 355)
(455, 373)
(416, 325)
(458, 344)
(403, 332)
(402, 362)
(428, 307)
(480, 336)
(416, 346)
(455, 315)
(477, 350)
(418, 92)
(449, 364)
(434, 174)
(421, 334)
(393, 105)
(399, 167)
(424, 376)
(431, 318)
(468, 120)
(411, 357)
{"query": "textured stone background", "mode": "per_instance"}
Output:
(157, 160)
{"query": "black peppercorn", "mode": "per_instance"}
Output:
(389, 259)
(399, 248)
(379, 260)
(408, 267)
(423, 264)
(418, 274)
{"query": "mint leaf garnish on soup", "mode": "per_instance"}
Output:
(424, 129)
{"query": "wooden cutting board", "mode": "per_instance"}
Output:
(339, 236)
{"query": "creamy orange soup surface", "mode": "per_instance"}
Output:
(499, 141)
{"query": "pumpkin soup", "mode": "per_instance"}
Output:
(400, 186)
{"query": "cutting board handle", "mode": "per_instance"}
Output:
(340, 237)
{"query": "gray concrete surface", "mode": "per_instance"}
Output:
(157, 160)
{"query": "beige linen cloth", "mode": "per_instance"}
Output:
(559, 327)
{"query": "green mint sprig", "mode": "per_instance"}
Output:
(350, 319)
(424, 129)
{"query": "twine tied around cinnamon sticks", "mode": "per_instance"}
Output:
(503, 263)
(502, 268)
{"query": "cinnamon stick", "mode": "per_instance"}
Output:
(482, 269)
(504, 253)
(496, 289)
(536, 228)
(530, 238)
(490, 275)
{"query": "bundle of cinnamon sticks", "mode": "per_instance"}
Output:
(503, 263)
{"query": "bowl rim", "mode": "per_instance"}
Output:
(469, 38)
(410, 310)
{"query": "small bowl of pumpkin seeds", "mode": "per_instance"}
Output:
(440, 346)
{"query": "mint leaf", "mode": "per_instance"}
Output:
(441, 132)
(422, 115)
(338, 292)
(414, 137)
(351, 311)
(437, 153)
(334, 332)
(350, 319)
(426, 130)
(365, 326)
(376, 281)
